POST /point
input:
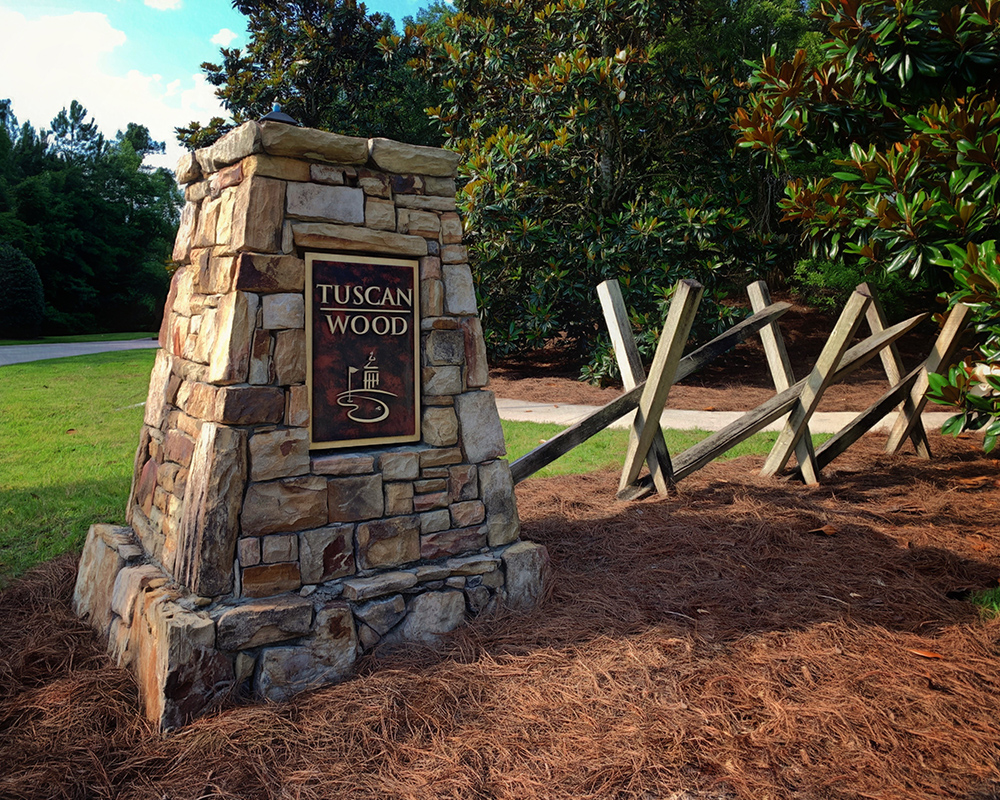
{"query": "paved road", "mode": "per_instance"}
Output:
(515, 410)
(21, 353)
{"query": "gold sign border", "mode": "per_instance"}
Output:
(375, 261)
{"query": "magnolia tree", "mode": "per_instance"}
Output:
(596, 144)
(908, 97)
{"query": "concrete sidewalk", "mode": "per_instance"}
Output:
(22, 353)
(679, 419)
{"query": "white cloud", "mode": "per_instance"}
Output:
(164, 5)
(42, 80)
(224, 38)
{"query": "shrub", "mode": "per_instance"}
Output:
(22, 301)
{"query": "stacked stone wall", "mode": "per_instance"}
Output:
(253, 563)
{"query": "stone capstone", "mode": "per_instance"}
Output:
(279, 139)
(410, 158)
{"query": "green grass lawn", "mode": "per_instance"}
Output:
(69, 428)
(83, 337)
(68, 432)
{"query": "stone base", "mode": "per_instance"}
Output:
(190, 652)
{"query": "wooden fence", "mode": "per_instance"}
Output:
(647, 395)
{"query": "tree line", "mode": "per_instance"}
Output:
(85, 229)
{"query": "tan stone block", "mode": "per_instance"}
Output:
(285, 310)
(433, 521)
(439, 324)
(258, 272)
(463, 483)
(374, 183)
(209, 524)
(172, 478)
(258, 214)
(224, 178)
(326, 553)
(360, 589)
(399, 466)
(444, 347)
(284, 169)
(451, 229)
(425, 485)
(439, 426)
(322, 173)
(224, 227)
(185, 232)
(442, 380)
(282, 453)
(160, 391)
(290, 357)
(356, 498)
(280, 139)
(235, 323)
(477, 371)
(444, 187)
(441, 457)
(187, 170)
(454, 254)
(423, 223)
(431, 298)
(270, 579)
(323, 236)
(430, 268)
(398, 498)
(380, 214)
(388, 542)
(279, 547)
(196, 192)
(208, 221)
(482, 436)
(428, 502)
(249, 551)
(95, 580)
(431, 615)
(316, 201)
(343, 464)
(234, 146)
(249, 405)
(328, 658)
(452, 542)
(297, 407)
(261, 365)
(496, 488)
(459, 290)
(201, 270)
(264, 622)
(410, 158)
(293, 504)
(178, 447)
(166, 325)
(422, 203)
(220, 274)
(467, 513)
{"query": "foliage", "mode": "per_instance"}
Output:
(97, 224)
(320, 60)
(826, 284)
(22, 301)
(909, 96)
(596, 145)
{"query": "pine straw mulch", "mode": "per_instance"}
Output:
(748, 638)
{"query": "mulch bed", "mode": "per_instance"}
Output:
(746, 638)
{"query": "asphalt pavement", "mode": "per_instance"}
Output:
(514, 410)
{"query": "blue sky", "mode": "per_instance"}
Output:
(125, 60)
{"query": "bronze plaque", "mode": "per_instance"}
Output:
(362, 341)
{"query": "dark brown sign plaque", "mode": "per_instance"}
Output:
(362, 345)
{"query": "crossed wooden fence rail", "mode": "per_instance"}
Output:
(647, 395)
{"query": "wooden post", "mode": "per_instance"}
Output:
(893, 366)
(694, 458)
(630, 365)
(782, 375)
(820, 377)
(940, 358)
(680, 317)
(589, 426)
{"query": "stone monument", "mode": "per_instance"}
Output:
(320, 468)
